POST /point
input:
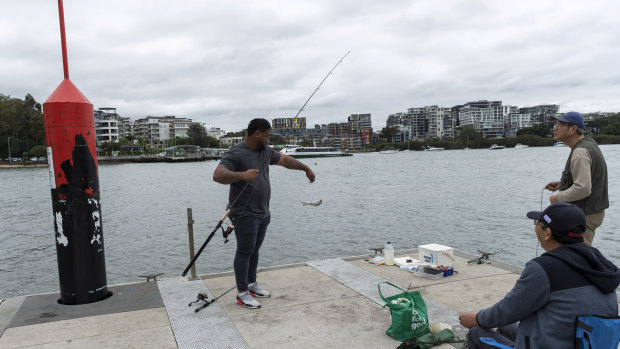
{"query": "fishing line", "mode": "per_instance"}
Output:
(542, 193)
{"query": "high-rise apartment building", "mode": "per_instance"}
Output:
(106, 125)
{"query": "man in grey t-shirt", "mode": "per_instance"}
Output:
(246, 168)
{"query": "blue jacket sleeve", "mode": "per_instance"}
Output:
(530, 293)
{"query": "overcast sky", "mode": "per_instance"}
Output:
(225, 62)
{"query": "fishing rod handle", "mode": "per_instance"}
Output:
(225, 215)
(219, 224)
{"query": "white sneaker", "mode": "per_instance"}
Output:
(258, 292)
(246, 300)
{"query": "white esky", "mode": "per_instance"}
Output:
(226, 62)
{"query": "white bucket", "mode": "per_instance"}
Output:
(435, 254)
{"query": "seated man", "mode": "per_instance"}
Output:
(570, 279)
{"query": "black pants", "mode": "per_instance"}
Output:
(505, 335)
(250, 233)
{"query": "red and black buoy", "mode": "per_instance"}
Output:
(74, 179)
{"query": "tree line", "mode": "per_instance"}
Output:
(21, 127)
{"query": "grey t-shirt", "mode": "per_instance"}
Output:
(254, 201)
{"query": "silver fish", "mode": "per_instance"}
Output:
(315, 203)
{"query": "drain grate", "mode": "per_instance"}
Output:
(208, 328)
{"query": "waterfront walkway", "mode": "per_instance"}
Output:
(320, 304)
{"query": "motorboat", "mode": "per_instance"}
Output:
(521, 146)
(431, 148)
(313, 152)
(496, 147)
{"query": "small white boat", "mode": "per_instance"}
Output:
(388, 151)
(431, 148)
(496, 147)
(559, 144)
(521, 146)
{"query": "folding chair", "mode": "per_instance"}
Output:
(597, 332)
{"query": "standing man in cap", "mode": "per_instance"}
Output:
(569, 279)
(584, 179)
(246, 168)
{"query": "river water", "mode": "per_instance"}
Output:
(469, 200)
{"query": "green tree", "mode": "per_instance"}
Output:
(611, 129)
(197, 135)
(276, 140)
(38, 151)
(22, 121)
(540, 130)
(389, 132)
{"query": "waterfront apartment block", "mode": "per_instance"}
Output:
(158, 131)
(288, 126)
(106, 125)
(491, 118)
(356, 133)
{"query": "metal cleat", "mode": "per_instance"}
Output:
(151, 276)
(377, 250)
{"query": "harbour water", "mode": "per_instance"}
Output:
(469, 200)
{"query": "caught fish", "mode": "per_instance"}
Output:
(315, 203)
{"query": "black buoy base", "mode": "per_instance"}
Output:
(77, 301)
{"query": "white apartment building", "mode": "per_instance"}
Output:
(159, 130)
(106, 125)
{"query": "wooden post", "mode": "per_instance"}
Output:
(190, 229)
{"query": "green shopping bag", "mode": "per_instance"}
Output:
(408, 311)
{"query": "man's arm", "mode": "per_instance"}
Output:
(223, 175)
(292, 164)
(530, 293)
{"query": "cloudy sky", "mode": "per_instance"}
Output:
(225, 62)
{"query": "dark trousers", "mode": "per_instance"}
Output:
(505, 335)
(250, 233)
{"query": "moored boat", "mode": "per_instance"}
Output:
(431, 148)
(313, 152)
(521, 146)
(388, 151)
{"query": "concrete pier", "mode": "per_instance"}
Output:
(319, 304)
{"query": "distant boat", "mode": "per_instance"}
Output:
(559, 144)
(388, 151)
(496, 147)
(313, 152)
(431, 148)
(520, 146)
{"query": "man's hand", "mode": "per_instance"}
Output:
(310, 175)
(553, 198)
(468, 320)
(249, 175)
(553, 186)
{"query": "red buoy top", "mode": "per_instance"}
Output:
(67, 94)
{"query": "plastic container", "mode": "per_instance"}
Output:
(434, 254)
(388, 252)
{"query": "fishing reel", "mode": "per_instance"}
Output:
(227, 232)
(202, 297)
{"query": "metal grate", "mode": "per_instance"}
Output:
(209, 328)
(8, 308)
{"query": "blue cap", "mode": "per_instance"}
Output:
(572, 117)
(563, 218)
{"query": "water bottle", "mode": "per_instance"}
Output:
(388, 252)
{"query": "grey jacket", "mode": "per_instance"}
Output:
(553, 289)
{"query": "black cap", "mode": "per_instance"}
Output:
(564, 219)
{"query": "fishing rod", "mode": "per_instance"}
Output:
(317, 88)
